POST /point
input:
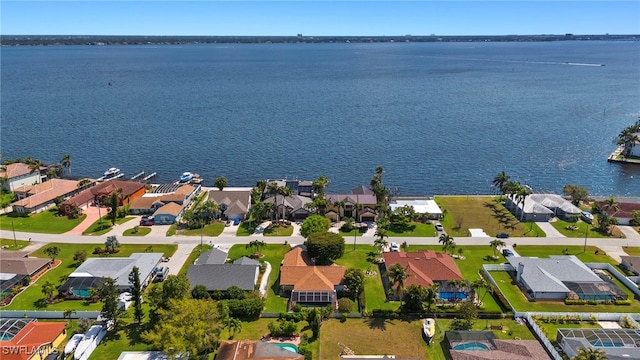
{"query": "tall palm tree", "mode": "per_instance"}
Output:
(66, 162)
(285, 192)
(521, 196)
(457, 286)
(356, 210)
(590, 354)
(34, 165)
(480, 284)
(320, 184)
(495, 244)
(500, 181)
(448, 245)
(274, 189)
(611, 204)
(398, 275)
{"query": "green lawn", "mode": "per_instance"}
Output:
(485, 212)
(355, 232)
(13, 244)
(46, 222)
(31, 298)
(273, 254)
(632, 251)
(514, 295)
(195, 253)
(584, 256)
(103, 225)
(214, 229)
(578, 229)
(278, 230)
(172, 230)
(416, 229)
(141, 231)
(246, 228)
(550, 329)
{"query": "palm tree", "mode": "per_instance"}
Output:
(66, 162)
(320, 184)
(495, 244)
(235, 326)
(448, 245)
(479, 284)
(590, 354)
(208, 210)
(520, 197)
(285, 192)
(432, 295)
(273, 189)
(398, 275)
(34, 165)
(500, 181)
(457, 286)
(356, 210)
(611, 205)
(49, 290)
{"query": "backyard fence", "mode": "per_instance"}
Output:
(623, 279)
(543, 338)
(45, 314)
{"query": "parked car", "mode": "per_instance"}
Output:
(502, 235)
(161, 273)
(587, 216)
(236, 221)
(439, 227)
(507, 252)
(394, 247)
(147, 221)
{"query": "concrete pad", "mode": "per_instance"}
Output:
(609, 325)
(179, 258)
(549, 229)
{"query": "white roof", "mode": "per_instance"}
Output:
(478, 233)
(420, 206)
(118, 268)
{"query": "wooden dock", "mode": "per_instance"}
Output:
(615, 157)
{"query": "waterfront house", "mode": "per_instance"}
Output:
(304, 282)
(624, 213)
(360, 205)
(94, 270)
(528, 210)
(427, 267)
(617, 344)
(151, 202)
(39, 197)
(168, 214)
(103, 191)
(233, 204)
(30, 339)
(295, 206)
(18, 175)
(483, 345)
(561, 277)
(422, 206)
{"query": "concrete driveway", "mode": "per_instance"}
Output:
(549, 229)
(92, 216)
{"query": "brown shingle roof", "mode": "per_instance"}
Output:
(237, 201)
(185, 190)
(171, 209)
(424, 267)
(143, 202)
(296, 271)
(625, 209)
(45, 192)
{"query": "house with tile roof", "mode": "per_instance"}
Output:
(427, 267)
(39, 197)
(233, 204)
(294, 206)
(18, 175)
(168, 214)
(101, 192)
(359, 205)
(304, 282)
(254, 349)
(624, 212)
(150, 203)
(33, 341)
(559, 276)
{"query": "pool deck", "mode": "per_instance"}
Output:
(294, 340)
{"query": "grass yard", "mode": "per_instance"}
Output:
(273, 254)
(373, 336)
(416, 229)
(13, 244)
(103, 225)
(140, 231)
(278, 230)
(173, 228)
(550, 329)
(214, 229)
(355, 232)
(195, 253)
(632, 251)
(585, 256)
(579, 229)
(511, 291)
(464, 212)
(32, 298)
(46, 222)
(246, 228)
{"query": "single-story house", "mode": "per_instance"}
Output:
(233, 204)
(15, 266)
(420, 206)
(101, 192)
(168, 214)
(360, 207)
(294, 206)
(557, 277)
(617, 344)
(488, 347)
(528, 210)
(427, 267)
(29, 339)
(307, 283)
(147, 204)
(94, 270)
(254, 349)
(560, 206)
(38, 197)
(624, 213)
(18, 175)
(242, 273)
(631, 263)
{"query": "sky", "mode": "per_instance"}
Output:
(318, 18)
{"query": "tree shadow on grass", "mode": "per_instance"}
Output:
(40, 303)
(134, 332)
(378, 323)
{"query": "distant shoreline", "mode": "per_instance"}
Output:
(52, 40)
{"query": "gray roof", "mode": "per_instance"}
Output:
(547, 275)
(293, 202)
(118, 268)
(601, 338)
(246, 261)
(223, 276)
(211, 257)
(553, 201)
(237, 201)
(631, 261)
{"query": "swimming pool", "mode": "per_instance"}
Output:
(289, 347)
(471, 346)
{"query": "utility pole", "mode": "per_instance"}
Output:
(15, 242)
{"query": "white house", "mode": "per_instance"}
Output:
(19, 175)
(420, 206)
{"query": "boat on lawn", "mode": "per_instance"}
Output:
(72, 344)
(429, 328)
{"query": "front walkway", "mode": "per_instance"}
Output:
(92, 216)
(549, 229)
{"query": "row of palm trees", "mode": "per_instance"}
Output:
(514, 189)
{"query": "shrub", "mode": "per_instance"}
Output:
(246, 308)
(200, 292)
(297, 308)
(282, 328)
(575, 302)
(502, 301)
(345, 305)
(296, 316)
(622, 302)
(592, 302)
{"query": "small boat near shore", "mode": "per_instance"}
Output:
(112, 173)
(429, 328)
(189, 178)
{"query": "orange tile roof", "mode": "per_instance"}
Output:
(424, 267)
(45, 192)
(296, 271)
(185, 190)
(31, 337)
(15, 169)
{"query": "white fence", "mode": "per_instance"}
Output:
(44, 314)
(623, 279)
(543, 338)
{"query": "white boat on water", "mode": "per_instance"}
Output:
(429, 328)
(112, 173)
(72, 344)
(186, 177)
